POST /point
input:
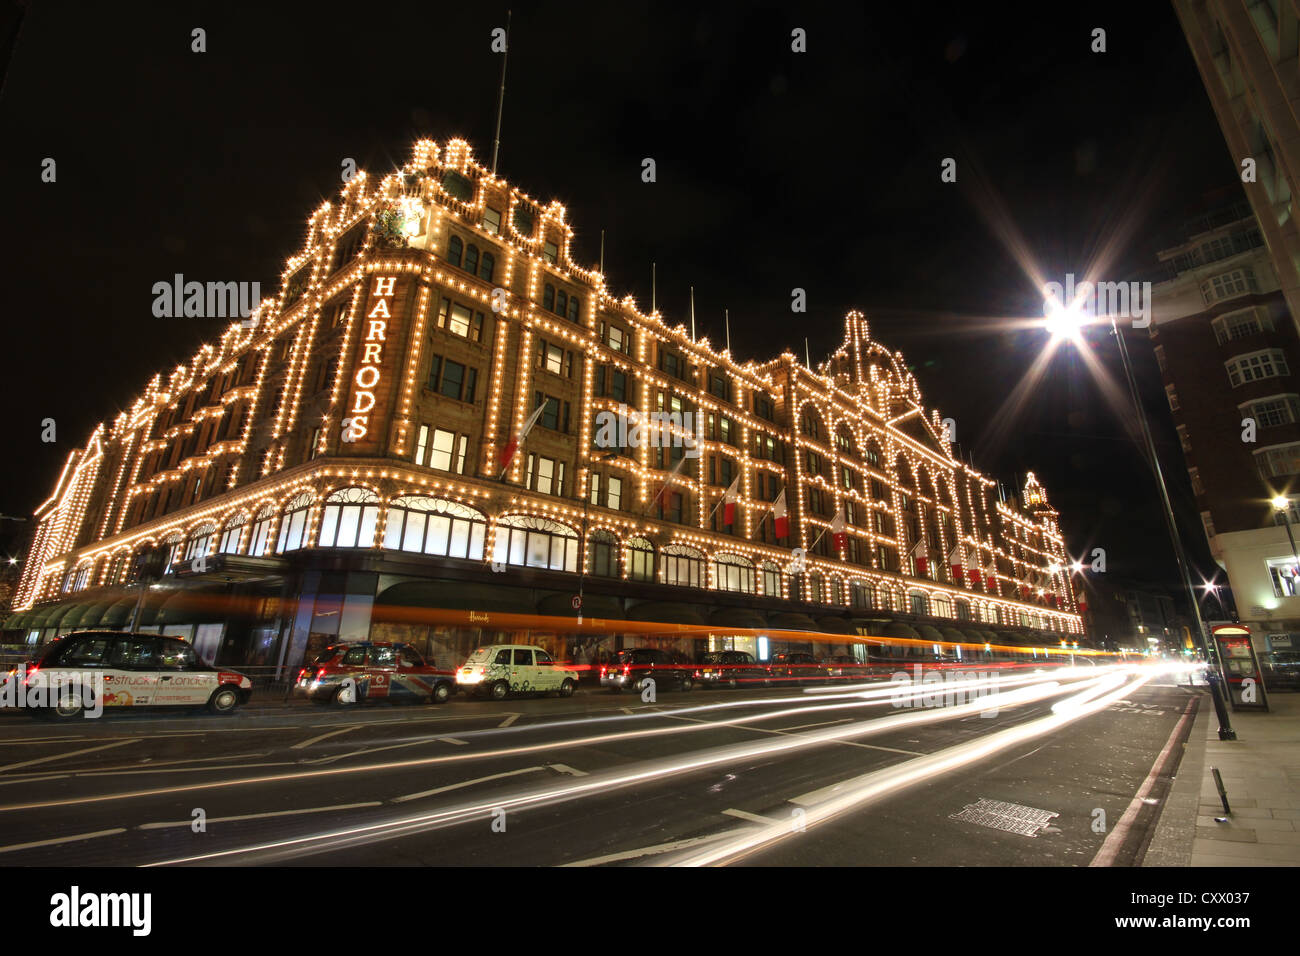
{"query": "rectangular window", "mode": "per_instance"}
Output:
(541, 474)
(617, 339)
(443, 444)
(421, 444)
(1256, 366)
(1275, 411)
(550, 417)
(593, 490)
(1172, 394)
(1279, 461)
(453, 379)
(614, 499)
(551, 358)
(491, 220)
(550, 252)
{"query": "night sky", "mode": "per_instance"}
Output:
(776, 170)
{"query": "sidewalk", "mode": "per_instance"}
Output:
(1261, 773)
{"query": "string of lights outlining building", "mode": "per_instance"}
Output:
(365, 438)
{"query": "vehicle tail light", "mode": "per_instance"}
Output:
(320, 674)
(31, 672)
(626, 670)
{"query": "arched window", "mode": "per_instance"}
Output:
(942, 606)
(199, 543)
(917, 603)
(811, 423)
(262, 531)
(844, 440)
(117, 568)
(862, 595)
(873, 455)
(434, 526)
(575, 308)
(733, 573)
(640, 560)
(603, 549)
(172, 548)
(771, 579)
(536, 543)
(454, 249)
(904, 472)
(471, 259)
(231, 534)
(561, 302)
(81, 577)
(683, 565)
(548, 297)
(349, 518)
(837, 590)
(963, 610)
(293, 524)
(487, 266)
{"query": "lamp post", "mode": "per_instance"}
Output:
(1067, 321)
(1282, 505)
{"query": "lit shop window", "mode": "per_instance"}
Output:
(349, 519)
(683, 565)
(533, 542)
(603, 548)
(434, 526)
(733, 573)
(231, 534)
(293, 524)
(640, 560)
(262, 531)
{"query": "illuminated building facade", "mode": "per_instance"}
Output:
(334, 470)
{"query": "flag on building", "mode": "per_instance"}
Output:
(508, 453)
(838, 535)
(918, 553)
(780, 515)
(729, 502)
(663, 487)
(957, 558)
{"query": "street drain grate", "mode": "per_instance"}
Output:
(1011, 817)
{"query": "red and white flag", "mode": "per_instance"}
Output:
(957, 558)
(508, 453)
(990, 579)
(780, 515)
(663, 487)
(918, 553)
(838, 534)
(729, 502)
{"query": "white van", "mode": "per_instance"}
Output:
(501, 669)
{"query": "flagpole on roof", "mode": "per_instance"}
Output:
(501, 97)
(692, 313)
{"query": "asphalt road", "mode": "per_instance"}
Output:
(778, 776)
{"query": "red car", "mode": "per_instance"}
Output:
(347, 674)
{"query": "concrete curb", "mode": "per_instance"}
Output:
(1172, 843)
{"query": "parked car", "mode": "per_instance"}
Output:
(631, 668)
(1281, 670)
(796, 667)
(731, 669)
(498, 670)
(844, 667)
(89, 669)
(346, 674)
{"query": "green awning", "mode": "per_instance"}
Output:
(953, 635)
(928, 632)
(836, 625)
(455, 596)
(665, 612)
(593, 605)
(60, 614)
(791, 621)
(737, 617)
(14, 622)
(118, 614)
(899, 629)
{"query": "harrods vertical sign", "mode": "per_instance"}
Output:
(378, 344)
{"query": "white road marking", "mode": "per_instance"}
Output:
(333, 733)
(58, 840)
(373, 750)
(769, 730)
(262, 816)
(626, 710)
(73, 753)
(745, 815)
(509, 720)
(565, 768)
(464, 783)
(454, 740)
(824, 723)
(130, 773)
(648, 850)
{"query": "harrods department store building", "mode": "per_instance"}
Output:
(332, 468)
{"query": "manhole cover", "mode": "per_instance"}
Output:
(1000, 815)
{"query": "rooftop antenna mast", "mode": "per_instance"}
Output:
(602, 252)
(807, 356)
(726, 317)
(692, 313)
(652, 289)
(501, 97)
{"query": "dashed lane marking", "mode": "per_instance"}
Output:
(317, 739)
(71, 753)
(262, 816)
(67, 839)
(650, 850)
(509, 720)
